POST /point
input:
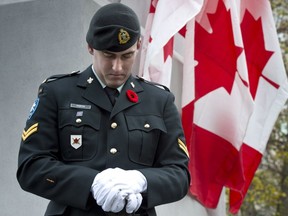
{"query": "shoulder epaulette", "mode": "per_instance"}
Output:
(154, 83)
(60, 76)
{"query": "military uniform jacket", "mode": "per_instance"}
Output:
(73, 132)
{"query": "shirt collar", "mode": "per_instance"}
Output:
(102, 84)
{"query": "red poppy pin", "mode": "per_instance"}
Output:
(132, 96)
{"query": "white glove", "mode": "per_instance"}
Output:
(102, 186)
(115, 200)
(108, 178)
(100, 190)
(112, 186)
(136, 180)
(133, 202)
(132, 179)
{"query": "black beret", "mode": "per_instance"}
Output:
(114, 27)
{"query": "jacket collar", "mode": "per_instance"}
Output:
(94, 92)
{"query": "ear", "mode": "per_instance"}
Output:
(139, 42)
(90, 49)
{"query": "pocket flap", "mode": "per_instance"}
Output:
(145, 123)
(88, 117)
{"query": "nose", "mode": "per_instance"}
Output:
(117, 64)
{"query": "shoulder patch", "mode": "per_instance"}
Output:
(153, 83)
(59, 76)
(33, 108)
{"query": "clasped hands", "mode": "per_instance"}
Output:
(114, 188)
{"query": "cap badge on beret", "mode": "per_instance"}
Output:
(123, 36)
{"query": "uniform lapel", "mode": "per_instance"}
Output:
(93, 91)
(122, 101)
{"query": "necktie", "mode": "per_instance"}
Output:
(112, 94)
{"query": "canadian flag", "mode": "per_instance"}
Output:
(163, 22)
(267, 84)
(234, 86)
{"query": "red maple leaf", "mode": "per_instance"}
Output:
(168, 49)
(76, 141)
(216, 53)
(183, 31)
(152, 8)
(256, 54)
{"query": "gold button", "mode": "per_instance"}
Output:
(146, 126)
(114, 125)
(113, 150)
(78, 120)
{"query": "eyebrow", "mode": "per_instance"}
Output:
(131, 52)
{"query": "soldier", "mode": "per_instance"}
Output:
(102, 142)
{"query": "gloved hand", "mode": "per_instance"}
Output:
(112, 186)
(133, 202)
(103, 184)
(115, 200)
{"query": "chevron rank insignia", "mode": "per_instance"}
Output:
(183, 147)
(29, 131)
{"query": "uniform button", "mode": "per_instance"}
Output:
(113, 150)
(146, 126)
(114, 125)
(78, 120)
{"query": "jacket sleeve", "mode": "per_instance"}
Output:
(168, 180)
(39, 169)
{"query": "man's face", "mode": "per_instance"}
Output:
(114, 68)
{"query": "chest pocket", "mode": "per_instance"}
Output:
(144, 134)
(78, 134)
